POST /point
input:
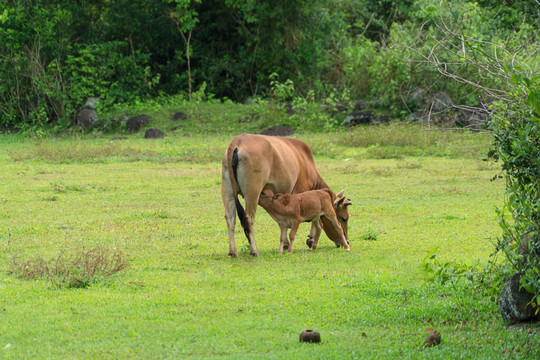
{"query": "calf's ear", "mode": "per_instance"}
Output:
(340, 194)
(339, 202)
(347, 203)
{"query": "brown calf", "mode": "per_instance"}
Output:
(289, 210)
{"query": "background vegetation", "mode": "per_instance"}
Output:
(56, 54)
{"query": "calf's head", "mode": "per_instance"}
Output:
(341, 205)
(265, 198)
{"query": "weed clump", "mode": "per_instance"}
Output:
(78, 269)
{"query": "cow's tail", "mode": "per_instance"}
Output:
(232, 159)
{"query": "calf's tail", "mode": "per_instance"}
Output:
(234, 181)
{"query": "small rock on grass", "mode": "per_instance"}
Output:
(154, 133)
(433, 338)
(310, 336)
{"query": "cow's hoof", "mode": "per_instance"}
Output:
(254, 254)
(285, 247)
(310, 336)
(233, 255)
(309, 242)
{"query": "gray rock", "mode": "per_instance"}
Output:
(180, 115)
(137, 122)
(278, 131)
(475, 117)
(440, 102)
(154, 133)
(87, 119)
(91, 103)
(418, 96)
(514, 303)
(360, 117)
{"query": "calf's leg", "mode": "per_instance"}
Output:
(316, 228)
(292, 235)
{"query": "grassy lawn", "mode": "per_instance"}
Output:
(158, 204)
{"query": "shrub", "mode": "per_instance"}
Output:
(516, 145)
(79, 269)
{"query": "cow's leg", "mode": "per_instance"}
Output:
(292, 235)
(316, 225)
(252, 199)
(309, 241)
(230, 211)
(337, 227)
(282, 238)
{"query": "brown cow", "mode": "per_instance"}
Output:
(289, 210)
(256, 162)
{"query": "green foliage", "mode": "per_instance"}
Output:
(281, 91)
(47, 75)
(94, 71)
(442, 272)
(370, 235)
(517, 146)
(55, 54)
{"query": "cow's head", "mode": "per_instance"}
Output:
(341, 205)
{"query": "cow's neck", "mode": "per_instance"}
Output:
(320, 184)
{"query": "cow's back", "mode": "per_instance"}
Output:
(285, 165)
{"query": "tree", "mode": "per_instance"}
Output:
(185, 17)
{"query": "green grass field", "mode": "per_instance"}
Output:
(158, 204)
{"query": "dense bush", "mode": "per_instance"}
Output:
(517, 147)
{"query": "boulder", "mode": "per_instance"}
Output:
(180, 115)
(359, 118)
(515, 303)
(278, 131)
(474, 117)
(381, 119)
(154, 133)
(440, 102)
(137, 122)
(417, 97)
(437, 109)
(86, 119)
(91, 103)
